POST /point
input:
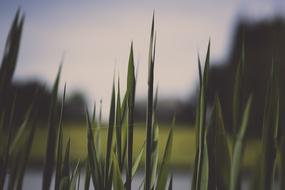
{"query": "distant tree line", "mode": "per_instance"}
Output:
(25, 94)
(264, 46)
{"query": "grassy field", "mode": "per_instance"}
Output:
(183, 152)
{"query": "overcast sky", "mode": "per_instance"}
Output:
(95, 37)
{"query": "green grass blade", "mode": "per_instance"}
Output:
(11, 52)
(25, 156)
(218, 151)
(200, 160)
(66, 161)
(124, 128)
(164, 168)
(239, 147)
(170, 186)
(64, 183)
(13, 174)
(94, 164)
(119, 127)
(58, 173)
(117, 176)
(237, 90)
(205, 169)
(269, 134)
(52, 137)
(138, 160)
(87, 176)
(75, 177)
(97, 134)
(20, 132)
(108, 158)
(154, 155)
(131, 83)
(124, 142)
(148, 164)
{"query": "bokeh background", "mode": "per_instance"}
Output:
(92, 39)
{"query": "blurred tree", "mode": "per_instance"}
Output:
(264, 44)
(23, 94)
(74, 109)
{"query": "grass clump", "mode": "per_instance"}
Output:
(218, 157)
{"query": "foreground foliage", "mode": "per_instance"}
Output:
(218, 161)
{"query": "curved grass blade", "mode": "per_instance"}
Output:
(75, 176)
(200, 161)
(239, 147)
(11, 52)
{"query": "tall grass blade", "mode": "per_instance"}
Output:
(269, 133)
(124, 129)
(117, 176)
(164, 168)
(52, 137)
(148, 164)
(154, 142)
(218, 150)
(108, 158)
(11, 51)
(154, 154)
(201, 163)
(131, 86)
(75, 177)
(26, 151)
(58, 173)
(97, 134)
(20, 132)
(237, 90)
(239, 147)
(95, 168)
(119, 127)
(87, 176)
(66, 161)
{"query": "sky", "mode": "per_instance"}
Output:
(93, 39)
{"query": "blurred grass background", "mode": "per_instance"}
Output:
(183, 152)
